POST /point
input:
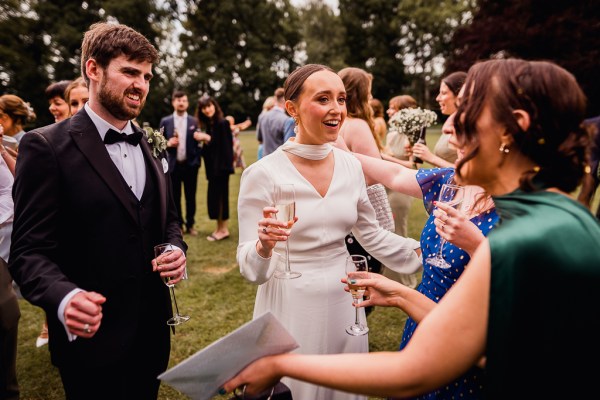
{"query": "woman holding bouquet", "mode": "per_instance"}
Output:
(444, 154)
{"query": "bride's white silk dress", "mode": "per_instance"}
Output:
(314, 308)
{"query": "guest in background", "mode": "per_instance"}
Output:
(591, 179)
(272, 123)
(536, 341)
(184, 152)
(289, 130)
(444, 155)
(58, 106)
(218, 163)
(268, 104)
(380, 127)
(238, 151)
(76, 95)
(15, 114)
(9, 305)
(328, 205)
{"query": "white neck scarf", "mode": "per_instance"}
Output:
(308, 151)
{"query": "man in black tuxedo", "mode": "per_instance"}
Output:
(184, 151)
(91, 202)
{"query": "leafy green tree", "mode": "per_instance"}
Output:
(37, 46)
(372, 43)
(238, 51)
(323, 35)
(565, 32)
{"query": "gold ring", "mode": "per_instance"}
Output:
(86, 328)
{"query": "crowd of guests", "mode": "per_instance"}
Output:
(514, 137)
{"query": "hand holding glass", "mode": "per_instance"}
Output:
(357, 268)
(453, 196)
(160, 251)
(285, 202)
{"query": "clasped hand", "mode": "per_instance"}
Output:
(172, 265)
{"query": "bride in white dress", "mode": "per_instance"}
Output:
(331, 201)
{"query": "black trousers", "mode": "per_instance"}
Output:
(217, 197)
(186, 176)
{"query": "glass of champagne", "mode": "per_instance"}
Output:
(285, 202)
(160, 251)
(452, 195)
(356, 268)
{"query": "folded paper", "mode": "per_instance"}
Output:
(201, 375)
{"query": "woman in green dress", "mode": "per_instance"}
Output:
(527, 305)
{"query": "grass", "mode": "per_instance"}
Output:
(216, 296)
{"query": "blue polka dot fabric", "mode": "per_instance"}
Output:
(436, 281)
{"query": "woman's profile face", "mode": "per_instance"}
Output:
(59, 108)
(446, 100)
(392, 109)
(321, 108)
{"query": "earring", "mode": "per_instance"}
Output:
(504, 148)
(295, 126)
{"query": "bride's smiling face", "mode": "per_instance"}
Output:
(320, 109)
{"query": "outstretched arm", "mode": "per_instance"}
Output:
(449, 340)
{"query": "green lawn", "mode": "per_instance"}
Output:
(216, 296)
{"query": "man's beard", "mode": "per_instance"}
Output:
(116, 104)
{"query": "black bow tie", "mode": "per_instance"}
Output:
(113, 136)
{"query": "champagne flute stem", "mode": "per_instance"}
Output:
(287, 257)
(442, 242)
(356, 321)
(172, 287)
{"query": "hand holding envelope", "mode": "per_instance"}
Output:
(201, 375)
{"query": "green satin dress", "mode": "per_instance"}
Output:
(544, 322)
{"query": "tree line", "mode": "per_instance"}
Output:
(241, 50)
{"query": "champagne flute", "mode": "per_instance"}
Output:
(356, 267)
(285, 202)
(452, 195)
(160, 251)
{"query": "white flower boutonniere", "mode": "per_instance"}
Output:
(157, 140)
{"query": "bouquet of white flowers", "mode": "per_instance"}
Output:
(410, 121)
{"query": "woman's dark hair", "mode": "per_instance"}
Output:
(294, 83)
(455, 81)
(556, 139)
(57, 89)
(206, 122)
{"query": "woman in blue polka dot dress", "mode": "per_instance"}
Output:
(464, 230)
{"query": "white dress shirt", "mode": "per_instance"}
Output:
(180, 122)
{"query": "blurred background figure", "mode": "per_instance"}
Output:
(591, 180)
(380, 127)
(14, 115)
(444, 155)
(58, 106)
(272, 124)
(218, 163)
(183, 153)
(268, 104)
(238, 151)
(76, 95)
(9, 305)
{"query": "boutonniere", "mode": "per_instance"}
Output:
(156, 140)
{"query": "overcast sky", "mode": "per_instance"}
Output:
(331, 3)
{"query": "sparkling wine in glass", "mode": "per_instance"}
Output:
(357, 268)
(285, 202)
(452, 195)
(160, 251)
